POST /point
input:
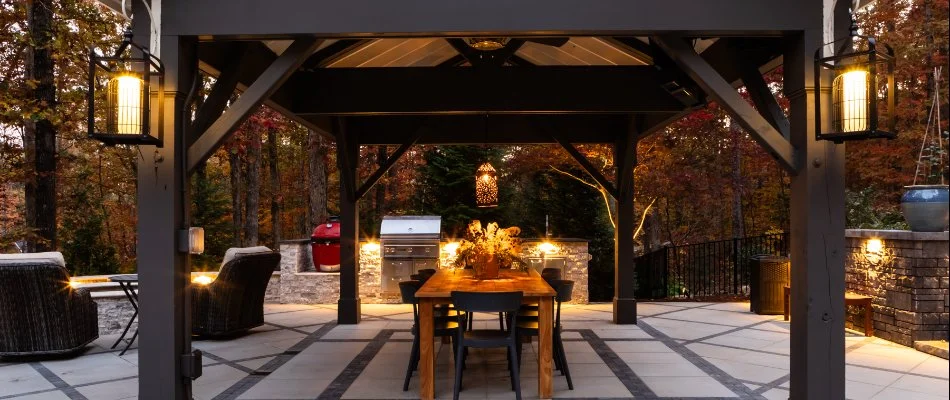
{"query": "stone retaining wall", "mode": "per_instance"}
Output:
(908, 280)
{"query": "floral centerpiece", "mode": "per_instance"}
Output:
(488, 249)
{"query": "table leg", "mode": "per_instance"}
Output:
(132, 297)
(868, 324)
(426, 352)
(545, 347)
(132, 340)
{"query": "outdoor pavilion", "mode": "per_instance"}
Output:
(366, 72)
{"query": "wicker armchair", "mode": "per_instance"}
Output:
(40, 313)
(234, 302)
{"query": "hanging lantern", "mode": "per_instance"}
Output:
(126, 98)
(486, 186)
(862, 89)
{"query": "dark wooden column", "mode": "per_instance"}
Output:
(625, 303)
(347, 154)
(164, 272)
(817, 233)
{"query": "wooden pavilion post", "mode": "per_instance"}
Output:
(625, 158)
(164, 271)
(347, 155)
(817, 234)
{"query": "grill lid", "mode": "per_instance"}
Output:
(411, 227)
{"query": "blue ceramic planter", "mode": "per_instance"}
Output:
(926, 207)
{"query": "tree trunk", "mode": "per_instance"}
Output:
(274, 186)
(40, 134)
(317, 170)
(237, 199)
(253, 199)
(738, 226)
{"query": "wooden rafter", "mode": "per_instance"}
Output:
(265, 85)
(742, 112)
(387, 165)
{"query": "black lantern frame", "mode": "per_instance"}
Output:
(125, 124)
(861, 117)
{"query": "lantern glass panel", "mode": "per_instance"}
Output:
(124, 104)
(486, 186)
(850, 99)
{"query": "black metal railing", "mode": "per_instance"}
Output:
(704, 270)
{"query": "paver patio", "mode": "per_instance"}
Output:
(679, 350)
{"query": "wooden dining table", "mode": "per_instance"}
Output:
(438, 290)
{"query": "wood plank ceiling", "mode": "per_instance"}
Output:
(431, 52)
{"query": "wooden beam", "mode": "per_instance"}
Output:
(455, 61)
(214, 57)
(469, 129)
(588, 167)
(387, 165)
(263, 87)
(427, 18)
(762, 97)
(717, 87)
(425, 90)
(221, 92)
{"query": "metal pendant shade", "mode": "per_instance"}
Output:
(486, 186)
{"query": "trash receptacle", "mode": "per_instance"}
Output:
(325, 241)
(769, 276)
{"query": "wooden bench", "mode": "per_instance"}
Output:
(850, 299)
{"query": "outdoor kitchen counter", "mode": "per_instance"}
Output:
(438, 290)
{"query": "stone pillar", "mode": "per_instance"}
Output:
(907, 278)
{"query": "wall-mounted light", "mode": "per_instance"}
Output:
(370, 246)
(127, 92)
(547, 247)
(191, 240)
(875, 252)
(203, 280)
(862, 89)
(450, 247)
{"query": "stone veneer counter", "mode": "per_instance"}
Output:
(323, 287)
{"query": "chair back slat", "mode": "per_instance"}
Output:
(564, 289)
(487, 301)
(408, 291)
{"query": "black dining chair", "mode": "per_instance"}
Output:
(492, 302)
(549, 275)
(444, 326)
(528, 326)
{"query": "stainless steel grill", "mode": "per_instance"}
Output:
(409, 244)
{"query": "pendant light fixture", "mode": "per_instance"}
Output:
(127, 93)
(486, 180)
(862, 88)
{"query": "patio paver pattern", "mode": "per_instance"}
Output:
(678, 350)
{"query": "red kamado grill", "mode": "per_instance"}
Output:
(326, 246)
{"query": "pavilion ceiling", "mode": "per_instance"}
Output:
(414, 79)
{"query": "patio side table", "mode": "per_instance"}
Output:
(125, 282)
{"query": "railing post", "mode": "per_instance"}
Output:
(735, 265)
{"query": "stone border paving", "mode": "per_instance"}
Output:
(351, 372)
(339, 386)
